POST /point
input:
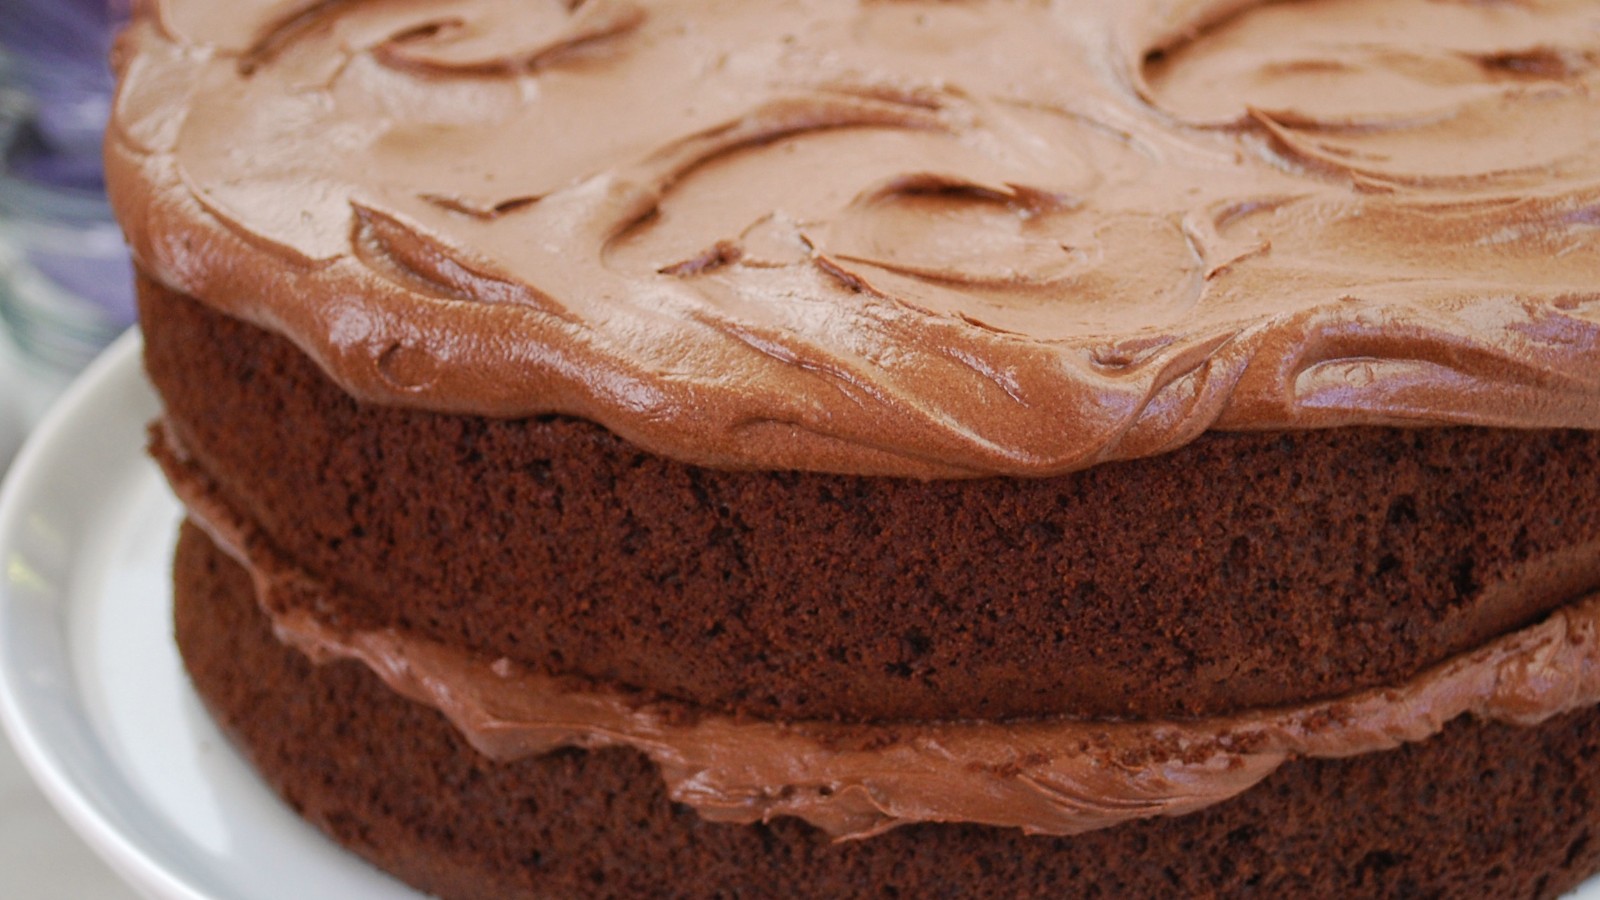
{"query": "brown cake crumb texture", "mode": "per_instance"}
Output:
(1480, 811)
(1244, 570)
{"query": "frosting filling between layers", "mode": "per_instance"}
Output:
(1049, 776)
(899, 238)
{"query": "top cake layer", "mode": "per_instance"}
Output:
(889, 236)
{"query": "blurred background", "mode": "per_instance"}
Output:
(65, 281)
(65, 292)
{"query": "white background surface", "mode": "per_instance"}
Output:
(40, 858)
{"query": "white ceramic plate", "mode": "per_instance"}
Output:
(91, 688)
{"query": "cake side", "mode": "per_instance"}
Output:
(1048, 775)
(1481, 810)
(1242, 571)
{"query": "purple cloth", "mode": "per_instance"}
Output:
(56, 55)
(58, 51)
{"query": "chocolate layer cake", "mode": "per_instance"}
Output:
(863, 447)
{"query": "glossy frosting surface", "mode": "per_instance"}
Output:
(1047, 776)
(896, 237)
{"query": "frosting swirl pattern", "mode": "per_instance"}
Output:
(890, 237)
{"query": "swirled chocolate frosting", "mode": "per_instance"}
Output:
(896, 237)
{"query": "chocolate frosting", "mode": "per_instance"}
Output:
(1047, 776)
(890, 236)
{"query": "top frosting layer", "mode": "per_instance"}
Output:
(897, 237)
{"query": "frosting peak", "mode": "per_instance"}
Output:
(908, 238)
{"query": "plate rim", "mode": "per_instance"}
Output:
(63, 786)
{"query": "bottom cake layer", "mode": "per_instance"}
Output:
(1481, 810)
